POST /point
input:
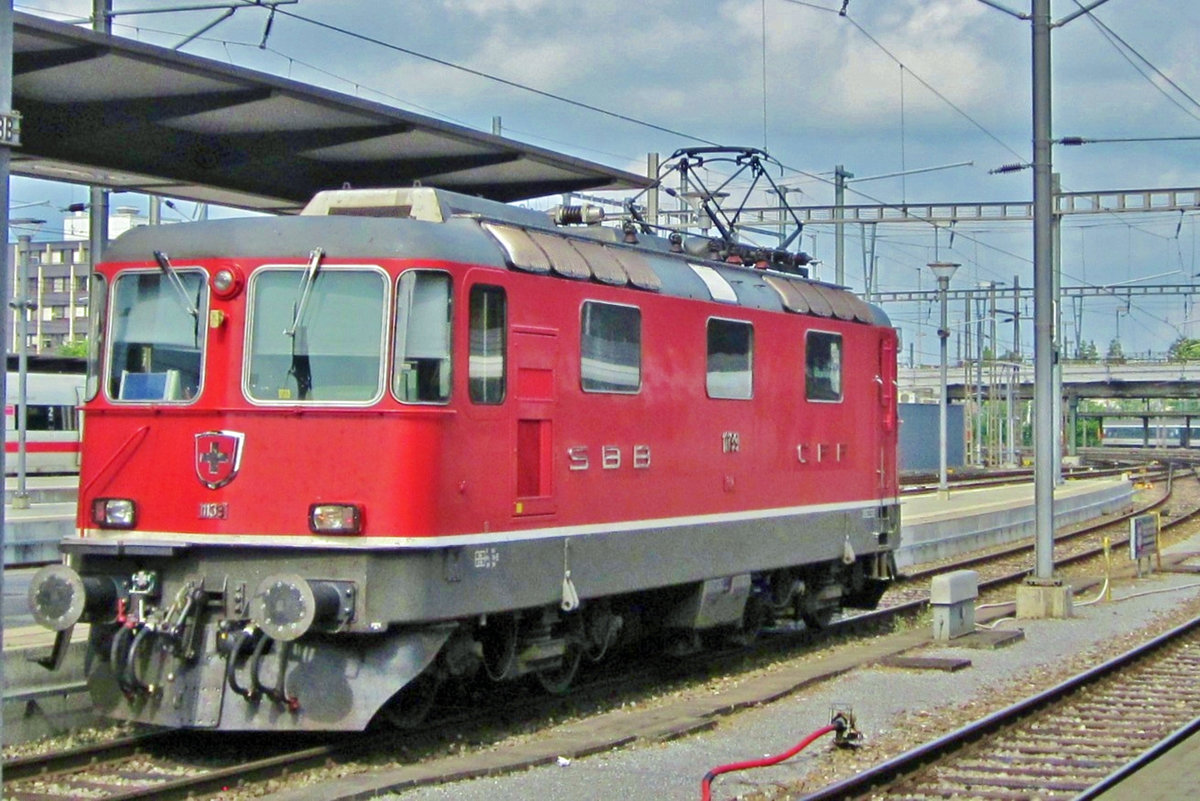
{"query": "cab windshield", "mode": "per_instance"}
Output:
(157, 336)
(316, 335)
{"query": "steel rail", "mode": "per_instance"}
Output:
(872, 779)
(60, 762)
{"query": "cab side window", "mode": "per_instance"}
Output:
(823, 366)
(422, 368)
(488, 326)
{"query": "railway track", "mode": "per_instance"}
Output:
(916, 484)
(165, 766)
(1074, 740)
(1004, 565)
(159, 765)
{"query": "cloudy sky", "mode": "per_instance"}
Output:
(894, 86)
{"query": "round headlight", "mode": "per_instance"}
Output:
(226, 282)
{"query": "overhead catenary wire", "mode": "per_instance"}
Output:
(549, 95)
(495, 78)
(1127, 50)
(862, 30)
(614, 114)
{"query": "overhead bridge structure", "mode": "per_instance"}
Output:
(1080, 380)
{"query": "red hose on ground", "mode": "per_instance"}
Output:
(706, 782)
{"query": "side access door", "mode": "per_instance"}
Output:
(535, 355)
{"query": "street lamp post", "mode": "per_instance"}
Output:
(943, 271)
(22, 305)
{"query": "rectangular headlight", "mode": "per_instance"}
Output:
(335, 518)
(114, 512)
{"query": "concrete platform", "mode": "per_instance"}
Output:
(937, 527)
(39, 702)
(44, 489)
(32, 535)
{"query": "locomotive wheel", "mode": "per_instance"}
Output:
(557, 681)
(408, 708)
(753, 618)
(818, 617)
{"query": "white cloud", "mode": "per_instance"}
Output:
(499, 8)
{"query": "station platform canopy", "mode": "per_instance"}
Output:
(107, 111)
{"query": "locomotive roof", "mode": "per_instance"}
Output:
(425, 222)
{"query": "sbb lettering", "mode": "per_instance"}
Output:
(611, 457)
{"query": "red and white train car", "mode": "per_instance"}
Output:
(335, 459)
(52, 422)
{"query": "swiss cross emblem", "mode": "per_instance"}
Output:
(218, 457)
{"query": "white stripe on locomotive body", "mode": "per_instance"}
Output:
(374, 543)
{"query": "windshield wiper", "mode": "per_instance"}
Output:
(310, 276)
(165, 264)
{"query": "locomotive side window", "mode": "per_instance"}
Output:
(488, 325)
(823, 366)
(422, 370)
(157, 337)
(328, 346)
(730, 359)
(610, 348)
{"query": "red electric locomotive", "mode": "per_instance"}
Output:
(335, 459)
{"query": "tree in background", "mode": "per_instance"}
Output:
(1087, 352)
(1184, 349)
(76, 347)
(1115, 353)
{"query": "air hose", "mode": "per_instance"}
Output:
(842, 723)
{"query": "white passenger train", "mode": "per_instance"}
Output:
(1133, 433)
(53, 422)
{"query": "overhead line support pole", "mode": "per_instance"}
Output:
(6, 94)
(1044, 357)
(839, 203)
(98, 195)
